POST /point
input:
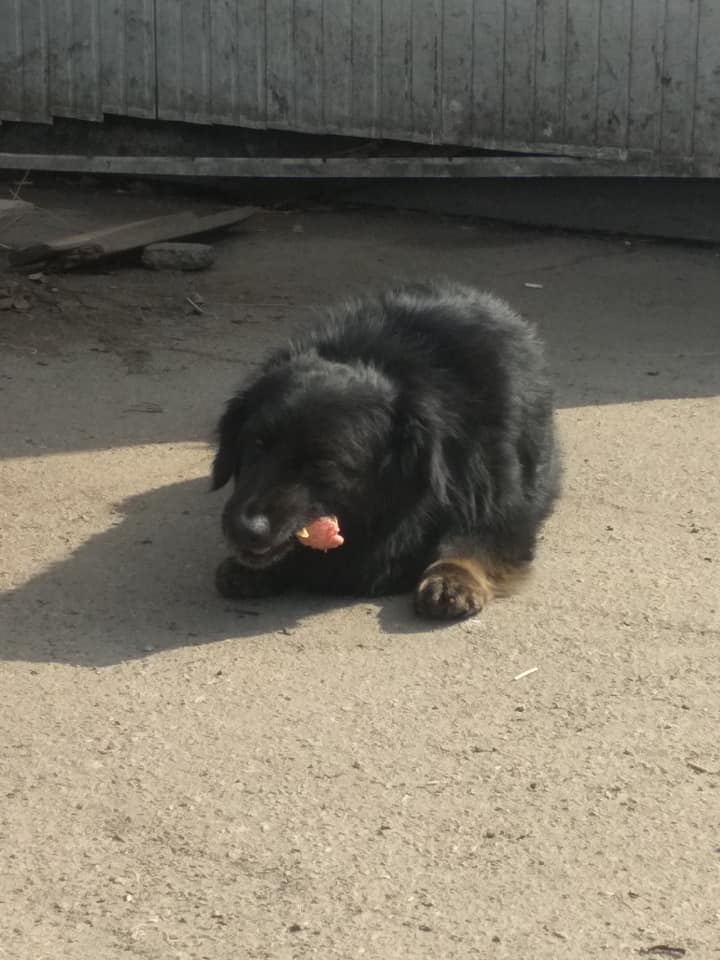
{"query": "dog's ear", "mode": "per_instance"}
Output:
(228, 433)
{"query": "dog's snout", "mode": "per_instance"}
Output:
(255, 526)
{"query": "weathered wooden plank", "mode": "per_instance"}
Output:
(648, 21)
(168, 26)
(196, 60)
(83, 247)
(678, 77)
(337, 24)
(127, 52)
(140, 75)
(60, 62)
(706, 135)
(550, 41)
(11, 54)
(308, 77)
(581, 61)
(358, 167)
(366, 84)
(113, 21)
(34, 63)
(250, 108)
(488, 70)
(614, 55)
(280, 63)
(74, 59)
(224, 64)
(396, 111)
(456, 78)
(426, 70)
(519, 71)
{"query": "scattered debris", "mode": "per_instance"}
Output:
(196, 306)
(81, 248)
(663, 950)
(526, 673)
(12, 297)
(178, 256)
(144, 408)
(697, 768)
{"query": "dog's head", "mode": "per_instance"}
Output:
(307, 439)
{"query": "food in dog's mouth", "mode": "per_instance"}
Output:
(321, 534)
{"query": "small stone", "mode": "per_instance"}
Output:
(178, 256)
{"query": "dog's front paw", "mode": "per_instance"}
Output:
(449, 591)
(238, 583)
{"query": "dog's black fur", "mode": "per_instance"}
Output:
(423, 419)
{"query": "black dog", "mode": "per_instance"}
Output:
(423, 420)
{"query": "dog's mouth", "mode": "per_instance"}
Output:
(266, 556)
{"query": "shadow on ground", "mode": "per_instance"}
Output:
(145, 586)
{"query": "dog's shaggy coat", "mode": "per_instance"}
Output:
(423, 420)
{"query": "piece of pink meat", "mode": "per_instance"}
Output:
(321, 534)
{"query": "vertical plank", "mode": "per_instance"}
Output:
(280, 63)
(614, 45)
(11, 44)
(426, 70)
(34, 62)
(140, 94)
(550, 40)
(519, 71)
(169, 27)
(84, 53)
(706, 136)
(367, 66)
(488, 70)
(678, 77)
(196, 60)
(60, 64)
(74, 59)
(251, 91)
(396, 115)
(457, 68)
(127, 52)
(113, 19)
(308, 65)
(23, 61)
(337, 54)
(647, 41)
(581, 71)
(224, 32)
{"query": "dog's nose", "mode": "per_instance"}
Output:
(255, 527)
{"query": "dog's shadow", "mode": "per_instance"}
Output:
(146, 585)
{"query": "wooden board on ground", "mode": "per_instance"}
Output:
(95, 244)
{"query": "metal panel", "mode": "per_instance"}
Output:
(23, 61)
